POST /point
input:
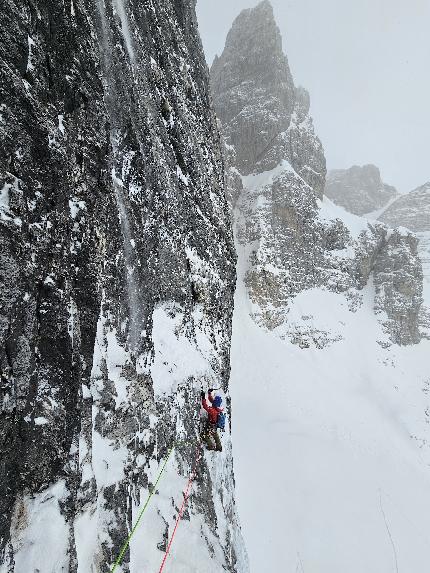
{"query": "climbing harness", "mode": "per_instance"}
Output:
(186, 495)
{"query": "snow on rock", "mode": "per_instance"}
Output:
(120, 9)
(130, 282)
(424, 252)
(4, 197)
(360, 190)
(297, 243)
(135, 414)
(39, 531)
(176, 357)
(31, 42)
(296, 239)
(413, 212)
(329, 211)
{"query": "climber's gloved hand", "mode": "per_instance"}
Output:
(210, 390)
(203, 394)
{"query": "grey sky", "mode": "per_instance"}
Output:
(366, 64)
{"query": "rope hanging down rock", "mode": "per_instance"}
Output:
(126, 544)
(148, 499)
(186, 495)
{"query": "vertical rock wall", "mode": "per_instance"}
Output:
(117, 280)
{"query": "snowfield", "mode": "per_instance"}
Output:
(331, 447)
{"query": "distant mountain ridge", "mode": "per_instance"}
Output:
(360, 190)
(411, 210)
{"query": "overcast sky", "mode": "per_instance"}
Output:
(366, 64)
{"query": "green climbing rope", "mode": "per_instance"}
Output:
(142, 511)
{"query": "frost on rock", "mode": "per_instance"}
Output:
(116, 294)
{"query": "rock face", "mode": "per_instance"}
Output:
(293, 242)
(398, 279)
(117, 278)
(411, 210)
(360, 190)
(264, 116)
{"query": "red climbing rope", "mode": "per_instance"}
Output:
(186, 495)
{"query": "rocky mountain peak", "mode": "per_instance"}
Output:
(245, 58)
(256, 22)
(254, 92)
(359, 189)
(263, 115)
(298, 243)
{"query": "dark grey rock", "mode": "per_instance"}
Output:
(113, 205)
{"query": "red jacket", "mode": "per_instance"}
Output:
(211, 410)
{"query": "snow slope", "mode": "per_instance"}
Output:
(331, 446)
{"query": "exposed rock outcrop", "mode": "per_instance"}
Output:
(398, 278)
(360, 190)
(411, 210)
(264, 116)
(117, 278)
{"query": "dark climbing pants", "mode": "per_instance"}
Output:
(211, 438)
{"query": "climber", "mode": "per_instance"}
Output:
(215, 419)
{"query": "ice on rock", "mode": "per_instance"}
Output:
(30, 66)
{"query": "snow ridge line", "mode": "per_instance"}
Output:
(186, 495)
(148, 499)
